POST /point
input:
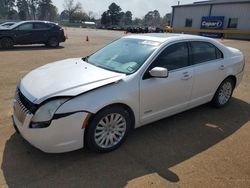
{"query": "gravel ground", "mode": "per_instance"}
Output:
(203, 147)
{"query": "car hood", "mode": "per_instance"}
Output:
(2, 28)
(68, 77)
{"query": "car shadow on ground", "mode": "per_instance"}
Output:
(31, 47)
(151, 149)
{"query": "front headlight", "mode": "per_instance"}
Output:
(46, 112)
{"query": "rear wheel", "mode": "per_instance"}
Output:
(223, 93)
(6, 43)
(108, 129)
(53, 42)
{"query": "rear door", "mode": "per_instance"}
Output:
(208, 63)
(40, 32)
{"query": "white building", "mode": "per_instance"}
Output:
(213, 14)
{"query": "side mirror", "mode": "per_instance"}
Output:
(159, 72)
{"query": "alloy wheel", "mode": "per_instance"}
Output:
(110, 130)
(225, 93)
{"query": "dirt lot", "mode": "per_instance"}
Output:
(203, 147)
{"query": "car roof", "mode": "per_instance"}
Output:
(36, 21)
(163, 37)
(30, 21)
(7, 22)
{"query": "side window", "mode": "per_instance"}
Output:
(204, 51)
(55, 26)
(26, 26)
(173, 57)
(232, 23)
(219, 54)
(40, 26)
(189, 22)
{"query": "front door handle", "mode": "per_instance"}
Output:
(222, 67)
(186, 77)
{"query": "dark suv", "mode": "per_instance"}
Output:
(32, 32)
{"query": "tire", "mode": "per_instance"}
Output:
(6, 43)
(53, 42)
(223, 93)
(103, 136)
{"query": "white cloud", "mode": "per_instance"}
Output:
(138, 7)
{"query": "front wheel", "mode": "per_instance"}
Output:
(108, 129)
(6, 43)
(223, 93)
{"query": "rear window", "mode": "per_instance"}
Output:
(54, 26)
(203, 52)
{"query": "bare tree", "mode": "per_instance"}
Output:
(71, 7)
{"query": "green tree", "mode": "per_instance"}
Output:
(46, 10)
(79, 16)
(13, 14)
(122, 18)
(152, 18)
(105, 19)
(137, 21)
(10, 5)
(23, 9)
(7, 9)
(114, 12)
(125, 18)
(166, 20)
(27, 9)
(128, 18)
(33, 6)
(148, 19)
(2, 8)
(157, 17)
(115, 16)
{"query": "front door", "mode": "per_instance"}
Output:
(40, 32)
(161, 97)
(24, 33)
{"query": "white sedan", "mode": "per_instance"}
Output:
(95, 101)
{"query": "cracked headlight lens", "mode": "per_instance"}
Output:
(46, 112)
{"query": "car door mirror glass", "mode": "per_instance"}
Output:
(159, 72)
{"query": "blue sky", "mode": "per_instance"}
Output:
(138, 7)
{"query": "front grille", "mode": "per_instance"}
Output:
(29, 105)
(20, 110)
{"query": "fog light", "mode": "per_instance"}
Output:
(39, 125)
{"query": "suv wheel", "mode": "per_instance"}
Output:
(53, 42)
(6, 43)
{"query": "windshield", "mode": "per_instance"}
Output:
(124, 55)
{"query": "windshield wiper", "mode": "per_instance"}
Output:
(85, 59)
